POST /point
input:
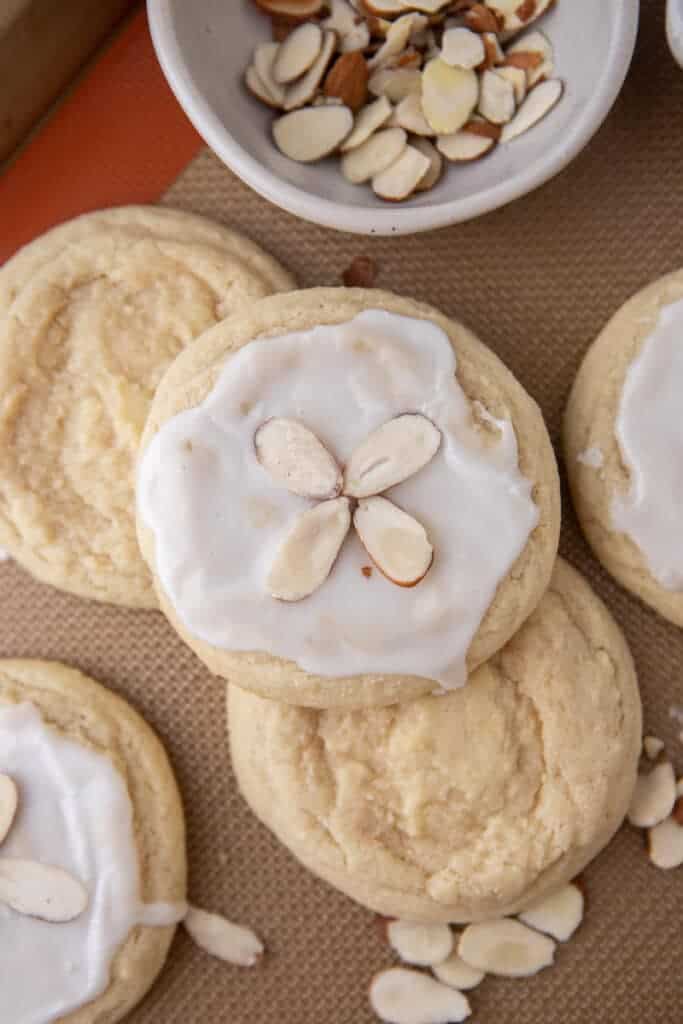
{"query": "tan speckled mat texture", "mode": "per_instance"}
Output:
(536, 281)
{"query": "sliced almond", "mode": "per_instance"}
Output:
(538, 103)
(493, 54)
(654, 796)
(421, 944)
(517, 76)
(496, 98)
(301, 92)
(533, 43)
(312, 133)
(456, 973)
(293, 455)
(652, 747)
(481, 18)
(40, 890)
(219, 937)
(297, 53)
(524, 60)
(515, 14)
(258, 88)
(449, 95)
(309, 551)
(367, 122)
(396, 543)
(408, 115)
(395, 83)
(9, 798)
(479, 126)
(347, 80)
(464, 146)
(264, 58)
(397, 39)
(435, 171)
(558, 915)
(401, 179)
(665, 844)
(377, 153)
(292, 10)
(390, 454)
(462, 48)
(401, 996)
(506, 948)
(351, 29)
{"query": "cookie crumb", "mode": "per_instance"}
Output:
(361, 273)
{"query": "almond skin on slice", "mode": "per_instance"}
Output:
(369, 120)
(533, 43)
(296, 54)
(348, 80)
(518, 79)
(301, 92)
(401, 996)
(496, 98)
(312, 133)
(464, 146)
(377, 153)
(420, 944)
(396, 543)
(309, 551)
(430, 179)
(462, 48)
(449, 95)
(481, 18)
(40, 890)
(293, 10)
(9, 799)
(515, 14)
(506, 948)
(397, 38)
(389, 455)
(352, 29)
(654, 796)
(295, 458)
(558, 915)
(456, 973)
(219, 937)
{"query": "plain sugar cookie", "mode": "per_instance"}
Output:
(91, 314)
(467, 806)
(345, 499)
(623, 440)
(99, 835)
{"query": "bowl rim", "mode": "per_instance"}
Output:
(391, 221)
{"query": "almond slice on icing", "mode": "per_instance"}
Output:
(517, 76)
(449, 95)
(264, 58)
(496, 98)
(313, 132)
(654, 796)
(352, 29)
(432, 176)
(506, 948)
(389, 455)
(368, 120)
(297, 459)
(397, 38)
(652, 747)
(408, 115)
(257, 87)
(462, 48)
(538, 103)
(456, 973)
(374, 155)
(9, 798)
(292, 10)
(395, 83)
(219, 937)
(420, 944)
(40, 890)
(463, 146)
(558, 915)
(309, 551)
(399, 181)
(401, 996)
(297, 53)
(301, 92)
(396, 543)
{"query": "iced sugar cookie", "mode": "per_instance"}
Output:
(623, 443)
(92, 863)
(345, 499)
(467, 806)
(91, 314)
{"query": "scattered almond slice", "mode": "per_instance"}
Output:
(9, 798)
(408, 115)
(420, 944)
(352, 31)
(517, 76)
(506, 948)
(397, 38)
(395, 83)
(309, 551)
(291, 454)
(312, 133)
(652, 747)
(293, 10)
(665, 844)
(40, 890)
(449, 95)
(538, 103)
(401, 996)
(367, 122)
(431, 177)
(401, 179)
(374, 155)
(462, 48)
(391, 454)
(264, 58)
(396, 543)
(302, 91)
(654, 796)
(347, 80)
(496, 98)
(297, 53)
(463, 146)
(258, 88)
(558, 915)
(456, 973)
(219, 937)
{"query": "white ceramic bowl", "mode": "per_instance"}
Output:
(204, 47)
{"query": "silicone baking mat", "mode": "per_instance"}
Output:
(537, 281)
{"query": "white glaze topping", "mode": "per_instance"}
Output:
(218, 518)
(75, 813)
(649, 431)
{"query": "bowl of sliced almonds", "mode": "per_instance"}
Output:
(395, 116)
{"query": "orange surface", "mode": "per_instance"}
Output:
(120, 137)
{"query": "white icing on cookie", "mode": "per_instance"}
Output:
(75, 813)
(592, 457)
(649, 431)
(218, 518)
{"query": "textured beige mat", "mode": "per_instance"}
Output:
(536, 281)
